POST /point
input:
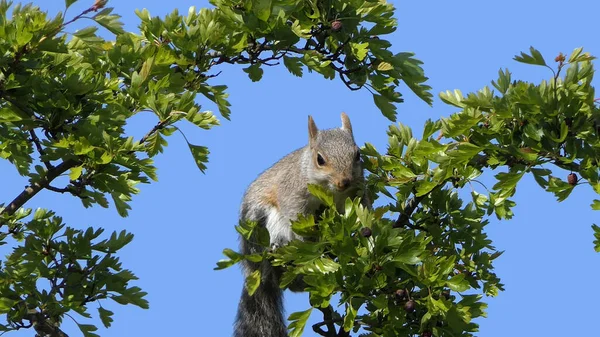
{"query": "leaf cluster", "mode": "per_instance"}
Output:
(66, 97)
(421, 263)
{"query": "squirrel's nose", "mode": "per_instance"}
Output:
(343, 184)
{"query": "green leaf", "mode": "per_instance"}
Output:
(86, 32)
(252, 282)
(206, 119)
(535, 57)
(425, 186)
(596, 230)
(298, 322)
(218, 95)
(155, 144)
(596, 205)
(507, 182)
(105, 316)
(359, 50)
(350, 316)
(304, 225)
(245, 228)
(578, 56)
(409, 253)
(200, 155)
(560, 188)
(402, 172)
(533, 132)
(408, 257)
(453, 98)
(463, 152)
(121, 204)
(24, 37)
(75, 172)
(539, 174)
(321, 265)
(146, 68)
(504, 81)
(413, 75)
(384, 66)
(321, 193)
(564, 131)
(262, 9)
(134, 296)
(294, 65)
(108, 21)
(388, 109)
(87, 330)
(82, 147)
(234, 257)
(261, 236)
(254, 72)
(6, 305)
(11, 115)
(68, 3)
(300, 31)
(458, 283)
(116, 241)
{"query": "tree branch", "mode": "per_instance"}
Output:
(158, 126)
(342, 332)
(43, 325)
(411, 206)
(328, 321)
(33, 189)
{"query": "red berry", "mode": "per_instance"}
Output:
(400, 294)
(99, 4)
(336, 26)
(366, 232)
(409, 306)
(572, 179)
(426, 334)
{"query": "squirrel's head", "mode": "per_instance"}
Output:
(335, 158)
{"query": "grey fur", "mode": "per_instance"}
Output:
(277, 196)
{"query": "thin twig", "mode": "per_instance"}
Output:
(348, 83)
(38, 146)
(61, 190)
(155, 129)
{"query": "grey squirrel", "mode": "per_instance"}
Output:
(331, 159)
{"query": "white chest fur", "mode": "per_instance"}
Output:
(279, 227)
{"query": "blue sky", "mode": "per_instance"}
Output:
(182, 223)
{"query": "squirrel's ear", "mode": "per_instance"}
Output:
(312, 129)
(346, 122)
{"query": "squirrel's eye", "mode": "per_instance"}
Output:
(320, 160)
(357, 156)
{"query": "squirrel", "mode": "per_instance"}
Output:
(331, 159)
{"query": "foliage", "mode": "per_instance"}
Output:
(65, 99)
(421, 263)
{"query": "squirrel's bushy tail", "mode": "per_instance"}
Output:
(260, 315)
